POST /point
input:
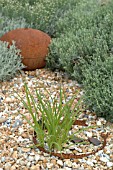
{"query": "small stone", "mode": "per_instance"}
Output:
(99, 123)
(53, 161)
(95, 141)
(28, 164)
(31, 158)
(60, 162)
(17, 123)
(68, 163)
(26, 149)
(3, 119)
(90, 163)
(37, 157)
(13, 167)
(78, 149)
(7, 166)
(14, 155)
(49, 165)
(3, 159)
(8, 99)
(104, 159)
(33, 167)
(89, 134)
(109, 164)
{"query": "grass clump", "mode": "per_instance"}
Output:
(57, 118)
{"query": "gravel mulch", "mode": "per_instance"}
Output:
(16, 134)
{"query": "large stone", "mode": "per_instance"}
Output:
(33, 45)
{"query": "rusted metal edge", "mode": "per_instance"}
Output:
(68, 156)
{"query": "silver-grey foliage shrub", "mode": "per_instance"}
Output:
(7, 24)
(98, 87)
(42, 13)
(10, 61)
(83, 34)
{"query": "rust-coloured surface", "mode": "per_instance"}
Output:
(33, 45)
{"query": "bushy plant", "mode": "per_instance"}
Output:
(43, 14)
(52, 119)
(8, 24)
(86, 34)
(10, 61)
(98, 87)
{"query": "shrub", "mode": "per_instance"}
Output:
(10, 61)
(8, 24)
(98, 87)
(86, 34)
(43, 14)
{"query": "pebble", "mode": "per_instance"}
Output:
(15, 155)
(90, 163)
(89, 134)
(60, 162)
(37, 158)
(49, 165)
(109, 164)
(99, 123)
(104, 159)
(26, 149)
(3, 159)
(17, 123)
(31, 158)
(3, 119)
(68, 163)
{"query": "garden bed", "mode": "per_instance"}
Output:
(16, 134)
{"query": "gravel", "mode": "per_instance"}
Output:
(16, 134)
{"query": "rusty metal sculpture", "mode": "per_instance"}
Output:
(33, 45)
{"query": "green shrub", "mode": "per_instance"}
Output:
(8, 24)
(86, 34)
(43, 14)
(10, 61)
(98, 87)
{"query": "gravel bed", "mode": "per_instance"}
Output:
(16, 134)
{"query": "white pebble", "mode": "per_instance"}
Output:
(3, 159)
(104, 159)
(11, 150)
(109, 164)
(90, 163)
(78, 149)
(31, 158)
(37, 157)
(99, 123)
(49, 165)
(68, 163)
(21, 130)
(89, 134)
(7, 166)
(59, 162)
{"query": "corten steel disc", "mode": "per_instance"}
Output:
(33, 45)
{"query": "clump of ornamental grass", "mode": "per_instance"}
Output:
(57, 117)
